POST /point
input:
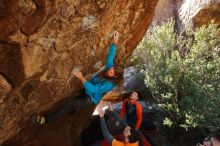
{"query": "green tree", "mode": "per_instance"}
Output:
(183, 73)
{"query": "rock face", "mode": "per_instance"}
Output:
(210, 13)
(165, 10)
(199, 13)
(187, 12)
(41, 41)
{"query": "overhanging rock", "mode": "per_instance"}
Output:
(41, 41)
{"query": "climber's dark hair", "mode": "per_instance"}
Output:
(119, 71)
(134, 137)
(140, 96)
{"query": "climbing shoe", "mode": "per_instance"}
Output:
(38, 120)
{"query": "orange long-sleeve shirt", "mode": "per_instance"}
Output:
(138, 112)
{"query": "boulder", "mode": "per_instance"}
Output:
(41, 42)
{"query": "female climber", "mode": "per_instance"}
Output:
(93, 91)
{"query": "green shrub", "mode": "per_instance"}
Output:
(183, 73)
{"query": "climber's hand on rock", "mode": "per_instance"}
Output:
(116, 36)
(78, 74)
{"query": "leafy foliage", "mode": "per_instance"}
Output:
(183, 72)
